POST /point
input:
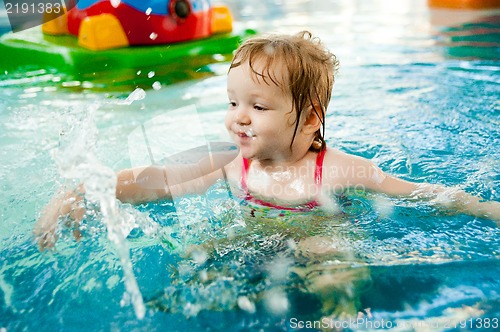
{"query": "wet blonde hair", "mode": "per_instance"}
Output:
(309, 67)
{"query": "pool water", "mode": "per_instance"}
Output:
(417, 93)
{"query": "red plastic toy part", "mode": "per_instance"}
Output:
(110, 24)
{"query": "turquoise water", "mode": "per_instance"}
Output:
(417, 93)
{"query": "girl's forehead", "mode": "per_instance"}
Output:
(242, 80)
(265, 72)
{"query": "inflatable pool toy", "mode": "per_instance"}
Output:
(464, 4)
(106, 24)
(30, 51)
(31, 48)
(114, 41)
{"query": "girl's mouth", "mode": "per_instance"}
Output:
(245, 133)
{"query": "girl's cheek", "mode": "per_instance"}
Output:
(227, 120)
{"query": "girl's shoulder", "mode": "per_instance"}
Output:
(342, 168)
(334, 156)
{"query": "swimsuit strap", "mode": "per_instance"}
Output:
(318, 173)
(318, 179)
(244, 175)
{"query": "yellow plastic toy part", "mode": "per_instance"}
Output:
(54, 24)
(102, 32)
(222, 21)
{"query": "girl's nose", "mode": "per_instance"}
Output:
(241, 116)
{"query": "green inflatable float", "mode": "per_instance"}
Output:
(106, 51)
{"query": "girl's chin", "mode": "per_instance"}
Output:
(246, 152)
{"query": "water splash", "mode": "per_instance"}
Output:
(136, 95)
(76, 160)
(249, 132)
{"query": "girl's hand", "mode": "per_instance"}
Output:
(69, 205)
(459, 201)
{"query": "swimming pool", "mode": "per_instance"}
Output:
(416, 93)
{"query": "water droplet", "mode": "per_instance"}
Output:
(203, 275)
(219, 57)
(199, 256)
(151, 74)
(269, 50)
(249, 132)
(137, 94)
(276, 301)
(191, 309)
(157, 85)
(245, 304)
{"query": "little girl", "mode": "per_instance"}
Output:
(279, 88)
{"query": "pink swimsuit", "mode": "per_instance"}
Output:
(318, 179)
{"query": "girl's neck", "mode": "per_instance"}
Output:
(281, 163)
(289, 158)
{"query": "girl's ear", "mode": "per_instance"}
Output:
(313, 119)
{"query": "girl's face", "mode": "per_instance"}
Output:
(260, 118)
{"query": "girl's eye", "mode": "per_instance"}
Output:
(259, 108)
(232, 104)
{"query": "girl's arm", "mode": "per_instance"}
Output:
(135, 186)
(359, 172)
(141, 185)
(132, 186)
(450, 198)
